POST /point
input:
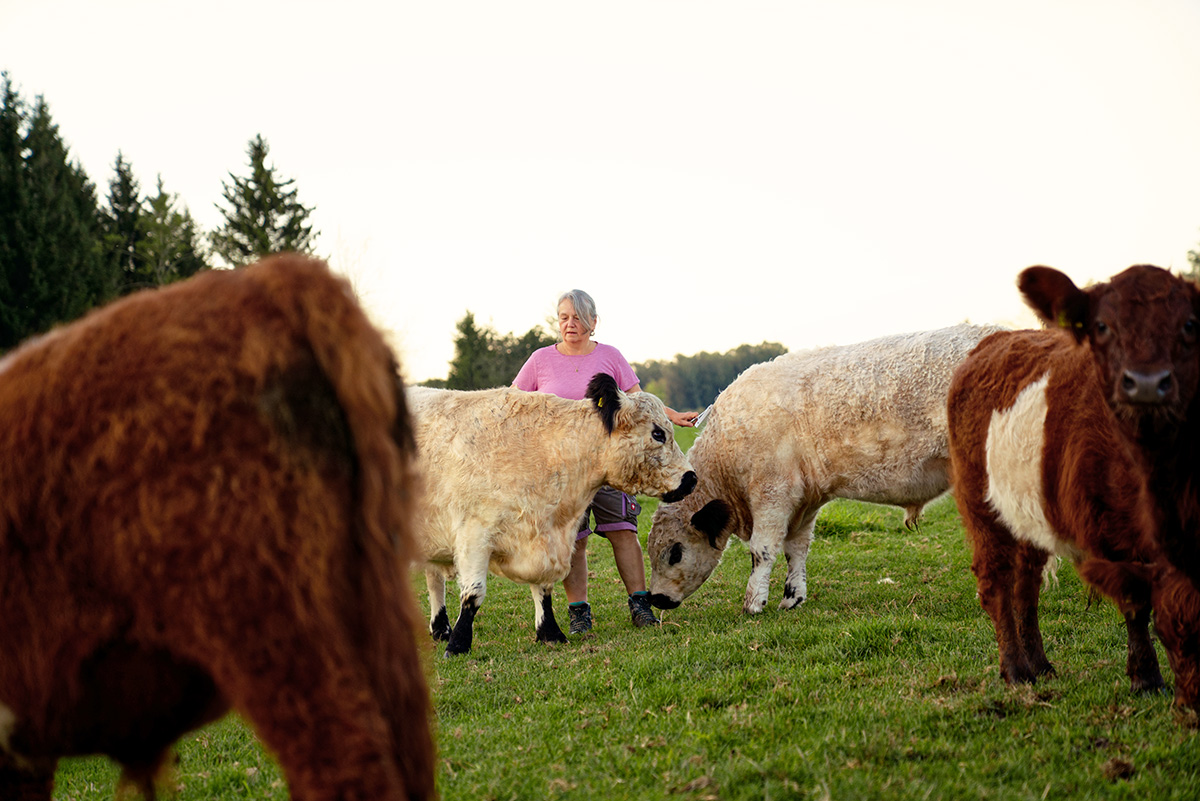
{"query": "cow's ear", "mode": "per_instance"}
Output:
(711, 520)
(1055, 299)
(603, 393)
(1127, 583)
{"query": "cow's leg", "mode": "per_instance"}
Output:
(770, 529)
(795, 548)
(1142, 662)
(994, 565)
(439, 621)
(464, 628)
(26, 781)
(1128, 584)
(758, 588)
(543, 614)
(1031, 564)
(472, 567)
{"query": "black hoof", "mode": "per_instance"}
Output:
(439, 628)
(551, 635)
(457, 649)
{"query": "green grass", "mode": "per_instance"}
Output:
(686, 436)
(883, 685)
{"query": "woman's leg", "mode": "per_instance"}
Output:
(576, 582)
(627, 552)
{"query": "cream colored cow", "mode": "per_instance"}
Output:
(508, 475)
(864, 421)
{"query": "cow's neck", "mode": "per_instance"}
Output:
(1173, 479)
(592, 477)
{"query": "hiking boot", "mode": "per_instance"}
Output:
(639, 609)
(581, 617)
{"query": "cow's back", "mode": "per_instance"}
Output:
(496, 439)
(496, 460)
(991, 379)
(863, 421)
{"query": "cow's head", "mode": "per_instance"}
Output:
(642, 456)
(685, 544)
(1176, 604)
(1142, 327)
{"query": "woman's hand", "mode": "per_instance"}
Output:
(685, 419)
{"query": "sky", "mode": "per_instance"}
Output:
(712, 173)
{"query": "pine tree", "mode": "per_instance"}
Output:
(263, 216)
(51, 262)
(12, 194)
(470, 352)
(121, 224)
(484, 358)
(170, 245)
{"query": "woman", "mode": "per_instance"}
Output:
(564, 369)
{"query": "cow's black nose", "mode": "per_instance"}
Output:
(660, 601)
(1146, 387)
(685, 487)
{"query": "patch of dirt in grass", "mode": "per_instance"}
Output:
(1018, 700)
(1118, 770)
(696, 785)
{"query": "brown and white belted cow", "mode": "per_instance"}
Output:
(1081, 441)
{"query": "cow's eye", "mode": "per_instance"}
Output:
(676, 554)
(658, 434)
(1189, 329)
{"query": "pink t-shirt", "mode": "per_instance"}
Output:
(547, 370)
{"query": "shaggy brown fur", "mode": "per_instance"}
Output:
(205, 494)
(1077, 442)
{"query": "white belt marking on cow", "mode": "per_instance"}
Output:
(1016, 438)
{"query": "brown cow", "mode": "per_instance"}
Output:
(1076, 442)
(204, 503)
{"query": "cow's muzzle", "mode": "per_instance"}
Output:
(1149, 388)
(679, 493)
(660, 601)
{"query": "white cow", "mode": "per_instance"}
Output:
(508, 475)
(864, 421)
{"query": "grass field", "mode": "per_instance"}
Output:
(883, 685)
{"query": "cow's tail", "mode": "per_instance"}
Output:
(363, 373)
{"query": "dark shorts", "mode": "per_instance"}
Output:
(613, 510)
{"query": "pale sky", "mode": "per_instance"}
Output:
(713, 173)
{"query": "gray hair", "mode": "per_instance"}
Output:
(585, 307)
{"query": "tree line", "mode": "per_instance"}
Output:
(63, 250)
(485, 358)
(693, 382)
